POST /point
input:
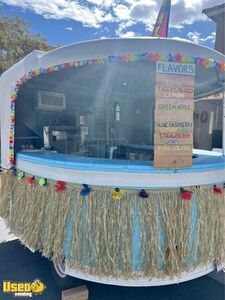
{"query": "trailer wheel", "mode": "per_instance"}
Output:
(60, 269)
(62, 280)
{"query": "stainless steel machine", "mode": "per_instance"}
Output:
(63, 139)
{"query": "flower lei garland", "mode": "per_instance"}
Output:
(151, 57)
(116, 193)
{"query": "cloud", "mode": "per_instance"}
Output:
(122, 12)
(142, 10)
(186, 12)
(183, 12)
(69, 28)
(211, 37)
(122, 28)
(128, 34)
(180, 39)
(195, 37)
(103, 3)
(65, 9)
(96, 13)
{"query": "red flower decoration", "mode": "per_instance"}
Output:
(220, 66)
(186, 195)
(154, 57)
(178, 58)
(217, 190)
(30, 180)
(60, 186)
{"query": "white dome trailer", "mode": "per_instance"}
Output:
(113, 159)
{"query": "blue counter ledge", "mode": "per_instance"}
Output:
(205, 161)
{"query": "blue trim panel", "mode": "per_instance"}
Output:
(202, 163)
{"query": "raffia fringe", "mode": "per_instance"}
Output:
(99, 232)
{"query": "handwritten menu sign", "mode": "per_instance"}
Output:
(174, 93)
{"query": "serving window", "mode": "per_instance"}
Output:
(106, 111)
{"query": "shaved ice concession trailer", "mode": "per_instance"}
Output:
(113, 161)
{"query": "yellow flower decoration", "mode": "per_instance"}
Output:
(117, 194)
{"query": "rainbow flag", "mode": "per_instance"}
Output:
(162, 22)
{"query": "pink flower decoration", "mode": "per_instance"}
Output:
(178, 58)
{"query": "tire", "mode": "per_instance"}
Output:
(62, 280)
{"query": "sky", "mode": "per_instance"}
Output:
(64, 22)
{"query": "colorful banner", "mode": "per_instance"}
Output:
(162, 22)
(174, 106)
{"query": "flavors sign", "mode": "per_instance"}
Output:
(174, 93)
